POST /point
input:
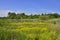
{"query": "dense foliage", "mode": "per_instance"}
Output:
(44, 16)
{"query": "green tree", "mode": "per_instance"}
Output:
(12, 15)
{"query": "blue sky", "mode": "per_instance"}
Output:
(29, 6)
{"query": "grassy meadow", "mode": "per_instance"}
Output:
(15, 30)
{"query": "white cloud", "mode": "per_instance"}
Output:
(3, 13)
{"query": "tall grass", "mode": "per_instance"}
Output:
(10, 30)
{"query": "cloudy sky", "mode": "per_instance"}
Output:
(29, 6)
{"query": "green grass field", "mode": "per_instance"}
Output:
(13, 30)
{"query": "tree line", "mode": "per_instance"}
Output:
(43, 16)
